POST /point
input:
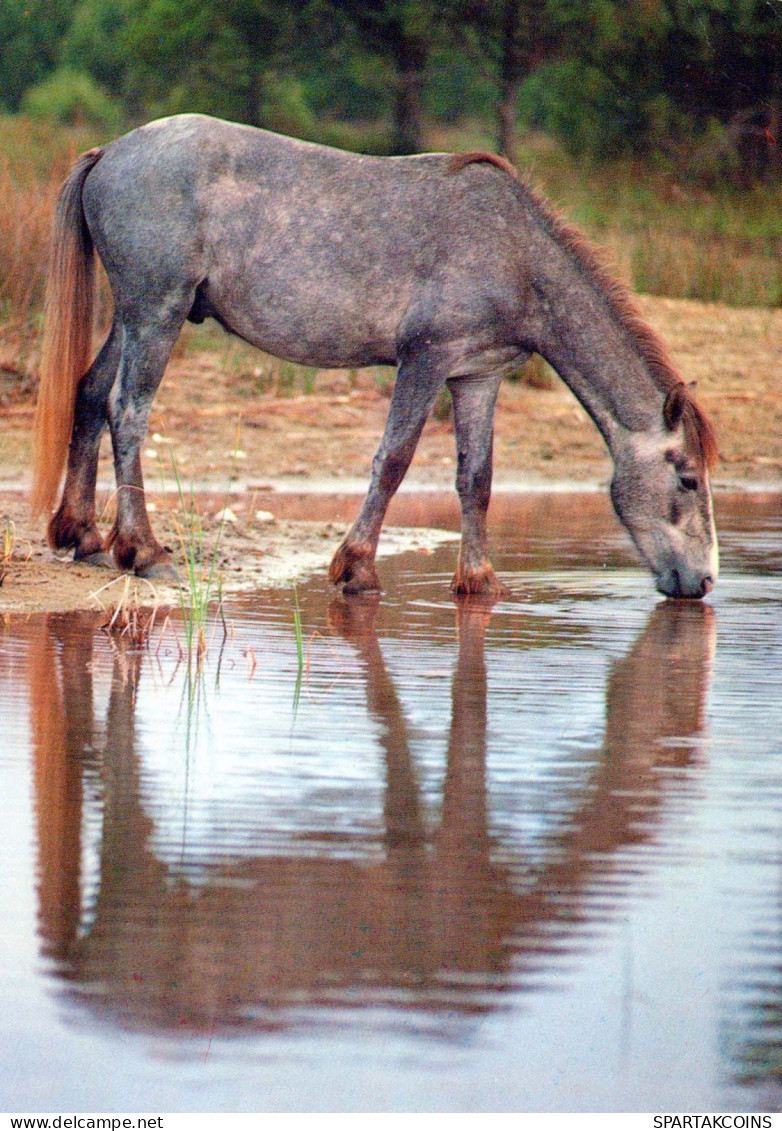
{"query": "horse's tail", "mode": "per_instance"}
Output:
(67, 336)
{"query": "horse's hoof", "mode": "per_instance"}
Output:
(482, 583)
(159, 571)
(352, 569)
(100, 559)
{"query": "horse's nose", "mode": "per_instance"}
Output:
(698, 588)
(675, 586)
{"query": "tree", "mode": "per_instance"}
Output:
(714, 63)
(514, 37)
(214, 55)
(401, 32)
(94, 42)
(740, 73)
(31, 32)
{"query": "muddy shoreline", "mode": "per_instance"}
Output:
(251, 548)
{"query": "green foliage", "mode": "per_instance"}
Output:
(577, 104)
(31, 32)
(402, 33)
(283, 105)
(455, 89)
(74, 99)
(347, 83)
(95, 43)
(218, 56)
(694, 84)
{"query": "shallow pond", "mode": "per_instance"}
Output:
(526, 858)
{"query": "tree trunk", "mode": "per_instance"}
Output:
(408, 116)
(506, 119)
(519, 26)
(253, 96)
(774, 127)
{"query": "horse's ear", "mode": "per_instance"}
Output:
(673, 409)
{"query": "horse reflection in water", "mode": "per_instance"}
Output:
(436, 922)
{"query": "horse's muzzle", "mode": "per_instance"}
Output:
(674, 584)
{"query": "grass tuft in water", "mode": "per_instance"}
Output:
(6, 548)
(202, 583)
(128, 620)
(9, 547)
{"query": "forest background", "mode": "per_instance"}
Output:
(656, 124)
(696, 83)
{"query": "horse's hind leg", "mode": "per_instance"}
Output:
(474, 400)
(417, 384)
(74, 524)
(145, 352)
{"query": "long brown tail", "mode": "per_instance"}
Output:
(67, 337)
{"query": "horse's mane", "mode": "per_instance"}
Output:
(699, 432)
(460, 161)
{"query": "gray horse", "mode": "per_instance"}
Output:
(446, 266)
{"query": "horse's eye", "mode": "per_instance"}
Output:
(688, 483)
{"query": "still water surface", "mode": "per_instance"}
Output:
(518, 859)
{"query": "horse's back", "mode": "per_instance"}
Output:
(203, 169)
(288, 239)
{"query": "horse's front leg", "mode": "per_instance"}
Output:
(74, 524)
(417, 384)
(474, 400)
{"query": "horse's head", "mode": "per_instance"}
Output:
(661, 492)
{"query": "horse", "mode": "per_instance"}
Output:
(448, 266)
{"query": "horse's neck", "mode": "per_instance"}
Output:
(595, 353)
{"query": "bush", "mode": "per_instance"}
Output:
(580, 107)
(72, 98)
(456, 89)
(714, 157)
(284, 106)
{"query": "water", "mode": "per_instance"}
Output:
(518, 859)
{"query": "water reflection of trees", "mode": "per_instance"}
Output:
(436, 920)
(752, 1030)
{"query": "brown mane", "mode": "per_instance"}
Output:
(699, 433)
(698, 430)
(460, 161)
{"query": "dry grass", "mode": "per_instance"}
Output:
(675, 240)
(710, 270)
(34, 160)
(25, 221)
(128, 618)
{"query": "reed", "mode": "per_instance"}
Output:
(129, 620)
(6, 547)
(299, 637)
(201, 583)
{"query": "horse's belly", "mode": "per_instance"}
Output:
(310, 325)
